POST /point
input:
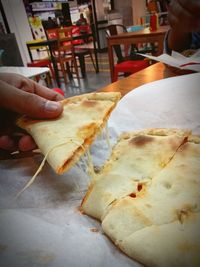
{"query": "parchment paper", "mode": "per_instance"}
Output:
(44, 227)
(178, 60)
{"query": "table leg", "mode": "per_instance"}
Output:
(160, 41)
(81, 59)
(55, 70)
(95, 55)
(54, 66)
(111, 60)
(30, 54)
(69, 73)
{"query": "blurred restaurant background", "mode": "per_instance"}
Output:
(29, 37)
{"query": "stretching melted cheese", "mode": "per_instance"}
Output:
(69, 136)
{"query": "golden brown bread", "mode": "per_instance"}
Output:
(156, 219)
(66, 138)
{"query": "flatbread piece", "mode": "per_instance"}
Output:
(148, 199)
(68, 137)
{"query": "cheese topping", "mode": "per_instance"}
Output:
(42, 164)
(108, 138)
(89, 162)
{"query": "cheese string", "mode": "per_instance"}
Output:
(108, 138)
(90, 168)
(42, 165)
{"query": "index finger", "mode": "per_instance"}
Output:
(46, 92)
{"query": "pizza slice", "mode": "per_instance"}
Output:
(135, 160)
(65, 139)
(160, 225)
(166, 245)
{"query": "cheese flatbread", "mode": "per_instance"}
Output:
(66, 138)
(136, 159)
(155, 216)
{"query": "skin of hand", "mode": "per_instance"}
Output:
(20, 95)
(183, 18)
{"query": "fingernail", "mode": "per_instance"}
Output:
(51, 106)
(6, 142)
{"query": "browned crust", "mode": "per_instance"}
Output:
(157, 132)
(163, 132)
(24, 121)
(194, 139)
(85, 198)
(104, 96)
(87, 142)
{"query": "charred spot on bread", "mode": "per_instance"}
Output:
(89, 103)
(141, 140)
(139, 187)
(133, 195)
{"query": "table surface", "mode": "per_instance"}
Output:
(28, 72)
(152, 73)
(145, 32)
(128, 38)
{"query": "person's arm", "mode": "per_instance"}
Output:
(19, 95)
(184, 19)
(179, 41)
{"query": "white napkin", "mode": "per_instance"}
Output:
(179, 61)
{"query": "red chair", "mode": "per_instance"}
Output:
(76, 32)
(64, 50)
(42, 63)
(124, 63)
(58, 90)
(129, 66)
(82, 51)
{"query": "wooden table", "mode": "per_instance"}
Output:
(154, 72)
(28, 72)
(128, 38)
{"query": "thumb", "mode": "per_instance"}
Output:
(27, 103)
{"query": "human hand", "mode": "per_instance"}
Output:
(19, 95)
(184, 15)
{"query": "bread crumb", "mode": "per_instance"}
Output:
(94, 230)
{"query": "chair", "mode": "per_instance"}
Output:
(64, 50)
(80, 53)
(81, 46)
(41, 62)
(125, 62)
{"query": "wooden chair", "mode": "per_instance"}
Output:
(126, 63)
(81, 53)
(64, 50)
(41, 61)
(82, 47)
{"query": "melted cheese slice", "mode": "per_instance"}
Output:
(66, 138)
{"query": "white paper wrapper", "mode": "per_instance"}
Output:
(177, 60)
(172, 102)
(44, 227)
